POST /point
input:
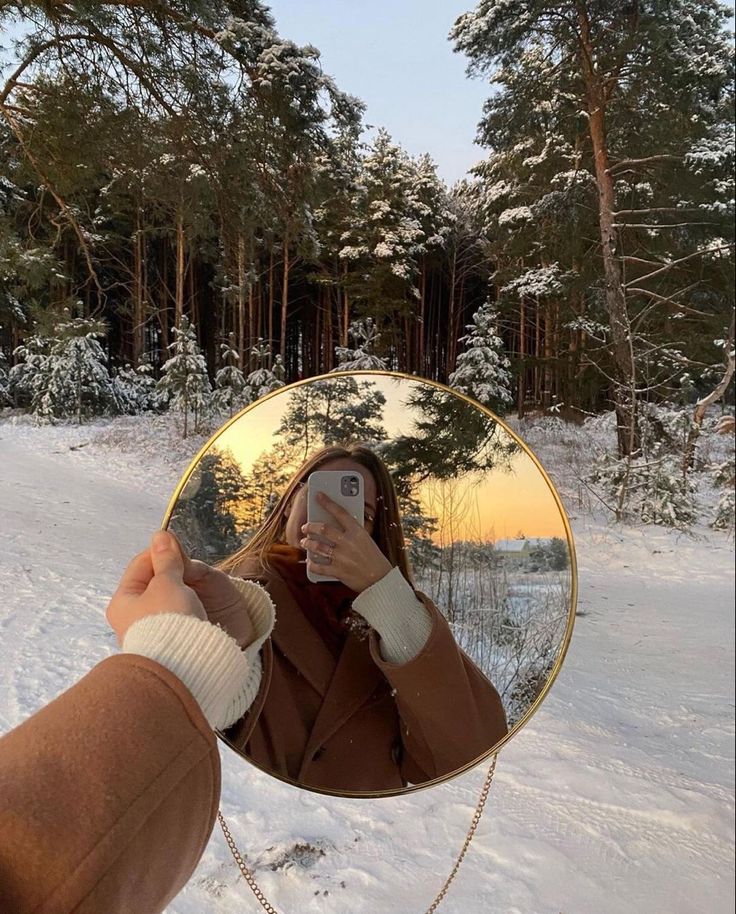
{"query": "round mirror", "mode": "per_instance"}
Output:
(426, 608)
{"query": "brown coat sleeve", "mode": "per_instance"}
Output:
(108, 795)
(450, 712)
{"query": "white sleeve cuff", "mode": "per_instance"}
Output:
(391, 607)
(223, 679)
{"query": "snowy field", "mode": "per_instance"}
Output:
(617, 797)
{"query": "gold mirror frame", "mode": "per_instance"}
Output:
(416, 379)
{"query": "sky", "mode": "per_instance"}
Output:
(396, 57)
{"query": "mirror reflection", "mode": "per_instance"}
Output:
(420, 568)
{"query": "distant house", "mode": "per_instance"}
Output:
(514, 552)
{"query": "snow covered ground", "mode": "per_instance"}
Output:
(617, 797)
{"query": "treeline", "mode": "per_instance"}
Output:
(167, 160)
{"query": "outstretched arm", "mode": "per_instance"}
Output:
(108, 794)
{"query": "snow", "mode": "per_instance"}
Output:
(618, 796)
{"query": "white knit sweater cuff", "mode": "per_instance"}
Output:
(223, 679)
(261, 612)
(391, 607)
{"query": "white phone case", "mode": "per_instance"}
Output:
(329, 481)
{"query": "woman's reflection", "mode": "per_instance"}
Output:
(364, 688)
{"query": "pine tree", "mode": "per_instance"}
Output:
(365, 336)
(266, 479)
(75, 378)
(184, 383)
(418, 529)
(262, 380)
(29, 376)
(5, 397)
(207, 518)
(559, 554)
(338, 411)
(594, 131)
(482, 370)
(379, 249)
(231, 388)
(135, 388)
(723, 475)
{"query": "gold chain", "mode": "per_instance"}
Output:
(269, 908)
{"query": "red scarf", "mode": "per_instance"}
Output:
(326, 604)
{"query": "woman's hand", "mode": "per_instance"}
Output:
(153, 583)
(356, 560)
(163, 579)
(224, 603)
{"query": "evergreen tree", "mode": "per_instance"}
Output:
(266, 479)
(482, 370)
(591, 119)
(26, 264)
(185, 384)
(559, 556)
(207, 518)
(418, 529)
(29, 376)
(380, 247)
(445, 438)
(338, 411)
(135, 389)
(365, 336)
(76, 381)
(231, 388)
(5, 397)
(262, 380)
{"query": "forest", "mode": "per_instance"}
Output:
(192, 213)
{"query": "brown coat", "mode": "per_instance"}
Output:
(360, 724)
(108, 795)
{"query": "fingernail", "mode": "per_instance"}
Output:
(160, 541)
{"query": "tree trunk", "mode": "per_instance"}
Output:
(179, 290)
(260, 316)
(329, 355)
(241, 300)
(345, 314)
(163, 314)
(421, 355)
(521, 386)
(252, 316)
(451, 343)
(284, 296)
(271, 307)
(193, 302)
(138, 316)
(537, 353)
(556, 388)
(316, 360)
(547, 385)
(615, 298)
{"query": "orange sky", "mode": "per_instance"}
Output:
(495, 506)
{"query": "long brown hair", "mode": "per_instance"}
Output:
(387, 530)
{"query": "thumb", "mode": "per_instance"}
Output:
(166, 556)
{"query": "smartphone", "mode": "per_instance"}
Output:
(344, 487)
